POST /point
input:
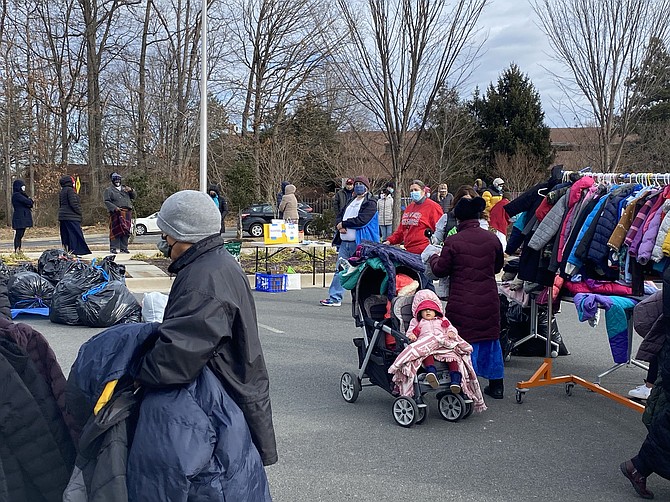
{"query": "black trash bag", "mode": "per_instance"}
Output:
(28, 290)
(22, 267)
(109, 304)
(115, 271)
(5, 273)
(53, 263)
(78, 279)
(536, 347)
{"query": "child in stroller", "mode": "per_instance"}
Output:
(384, 339)
(435, 340)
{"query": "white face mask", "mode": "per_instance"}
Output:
(23, 188)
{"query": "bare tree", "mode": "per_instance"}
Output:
(277, 42)
(603, 44)
(400, 53)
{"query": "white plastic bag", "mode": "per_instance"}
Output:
(153, 306)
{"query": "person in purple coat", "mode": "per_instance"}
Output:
(471, 258)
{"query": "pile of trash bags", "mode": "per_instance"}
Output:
(72, 292)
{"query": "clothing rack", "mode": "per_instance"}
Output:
(543, 375)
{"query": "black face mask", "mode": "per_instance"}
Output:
(164, 247)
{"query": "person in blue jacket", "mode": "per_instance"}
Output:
(358, 221)
(23, 213)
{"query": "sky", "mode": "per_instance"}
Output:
(513, 35)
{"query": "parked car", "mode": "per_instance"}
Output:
(255, 216)
(305, 207)
(147, 225)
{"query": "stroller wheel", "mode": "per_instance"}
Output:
(405, 411)
(423, 413)
(349, 387)
(452, 407)
(469, 408)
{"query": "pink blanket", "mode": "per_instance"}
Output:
(443, 347)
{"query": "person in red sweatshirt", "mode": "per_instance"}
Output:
(421, 214)
(499, 220)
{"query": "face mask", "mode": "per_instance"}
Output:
(23, 188)
(116, 183)
(389, 190)
(360, 189)
(415, 195)
(164, 247)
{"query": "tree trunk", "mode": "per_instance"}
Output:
(141, 100)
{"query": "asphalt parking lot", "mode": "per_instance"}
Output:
(552, 447)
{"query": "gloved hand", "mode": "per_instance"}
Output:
(430, 251)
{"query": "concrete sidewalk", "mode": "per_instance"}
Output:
(145, 278)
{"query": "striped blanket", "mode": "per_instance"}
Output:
(120, 223)
(443, 348)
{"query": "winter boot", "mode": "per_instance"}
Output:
(495, 388)
(456, 379)
(431, 377)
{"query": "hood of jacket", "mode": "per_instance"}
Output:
(426, 299)
(108, 356)
(66, 181)
(289, 189)
(16, 186)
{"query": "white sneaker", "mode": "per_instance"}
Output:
(640, 392)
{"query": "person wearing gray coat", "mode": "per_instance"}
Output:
(288, 208)
(385, 209)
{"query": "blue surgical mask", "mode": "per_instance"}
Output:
(389, 190)
(360, 189)
(415, 195)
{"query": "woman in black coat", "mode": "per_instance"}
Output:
(69, 216)
(23, 215)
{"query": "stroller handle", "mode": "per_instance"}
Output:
(399, 337)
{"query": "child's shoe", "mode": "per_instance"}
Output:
(456, 379)
(431, 378)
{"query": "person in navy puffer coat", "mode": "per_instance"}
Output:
(191, 442)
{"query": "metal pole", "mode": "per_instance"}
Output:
(203, 99)
(550, 305)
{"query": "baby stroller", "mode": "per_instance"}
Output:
(375, 355)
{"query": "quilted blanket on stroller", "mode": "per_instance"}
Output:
(443, 347)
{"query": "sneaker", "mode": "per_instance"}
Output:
(455, 388)
(640, 392)
(431, 379)
(125, 251)
(330, 303)
(636, 479)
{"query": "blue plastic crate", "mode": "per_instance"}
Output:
(271, 283)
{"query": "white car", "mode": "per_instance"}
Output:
(147, 225)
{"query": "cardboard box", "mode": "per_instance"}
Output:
(293, 282)
(280, 233)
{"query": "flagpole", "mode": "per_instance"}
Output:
(203, 100)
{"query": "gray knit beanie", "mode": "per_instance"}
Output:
(189, 216)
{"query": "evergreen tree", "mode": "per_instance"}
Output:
(652, 81)
(511, 120)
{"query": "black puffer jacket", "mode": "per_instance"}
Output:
(655, 451)
(69, 207)
(35, 449)
(22, 204)
(210, 319)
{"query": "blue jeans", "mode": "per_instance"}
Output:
(346, 251)
(386, 230)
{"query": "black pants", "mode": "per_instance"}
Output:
(18, 235)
